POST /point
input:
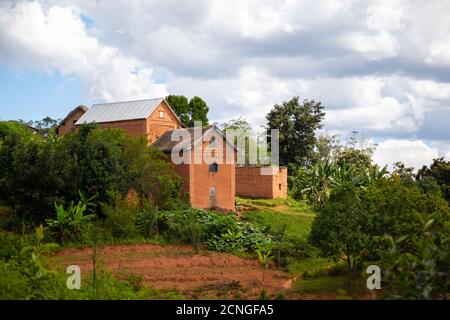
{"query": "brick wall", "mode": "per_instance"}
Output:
(132, 127)
(157, 126)
(68, 124)
(198, 181)
(251, 183)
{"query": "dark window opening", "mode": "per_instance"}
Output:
(279, 186)
(212, 141)
(213, 167)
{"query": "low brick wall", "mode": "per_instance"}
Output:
(261, 182)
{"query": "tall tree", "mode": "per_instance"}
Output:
(438, 171)
(198, 110)
(297, 124)
(180, 105)
(189, 111)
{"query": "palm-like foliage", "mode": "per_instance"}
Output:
(70, 221)
(318, 180)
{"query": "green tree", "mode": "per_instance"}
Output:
(180, 105)
(188, 112)
(339, 228)
(198, 110)
(406, 174)
(424, 272)
(243, 131)
(70, 222)
(438, 171)
(36, 172)
(327, 146)
(297, 124)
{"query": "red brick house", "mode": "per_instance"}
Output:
(208, 185)
(211, 184)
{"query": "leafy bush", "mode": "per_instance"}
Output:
(354, 221)
(217, 231)
(421, 273)
(291, 249)
(36, 172)
(11, 244)
(147, 220)
(70, 222)
(340, 228)
(245, 237)
(121, 216)
(183, 226)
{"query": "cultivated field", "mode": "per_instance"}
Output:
(179, 268)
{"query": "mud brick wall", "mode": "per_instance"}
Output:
(250, 182)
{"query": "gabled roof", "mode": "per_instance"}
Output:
(80, 107)
(165, 143)
(120, 111)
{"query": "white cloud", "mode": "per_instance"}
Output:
(380, 67)
(372, 46)
(414, 153)
(57, 39)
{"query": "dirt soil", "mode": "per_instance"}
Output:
(166, 267)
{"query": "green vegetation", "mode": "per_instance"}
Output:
(297, 123)
(320, 285)
(295, 216)
(96, 186)
(189, 111)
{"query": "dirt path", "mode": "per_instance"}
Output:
(166, 267)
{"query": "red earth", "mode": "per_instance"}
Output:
(201, 274)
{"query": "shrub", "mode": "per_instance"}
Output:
(291, 249)
(11, 244)
(422, 273)
(183, 226)
(217, 231)
(36, 172)
(70, 222)
(339, 228)
(147, 220)
(121, 216)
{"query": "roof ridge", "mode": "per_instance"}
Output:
(126, 101)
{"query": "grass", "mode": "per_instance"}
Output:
(309, 265)
(320, 285)
(6, 214)
(276, 213)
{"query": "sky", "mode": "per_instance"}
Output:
(381, 68)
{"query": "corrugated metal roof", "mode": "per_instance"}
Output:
(118, 111)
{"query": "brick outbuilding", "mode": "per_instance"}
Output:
(261, 182)
(210, 184)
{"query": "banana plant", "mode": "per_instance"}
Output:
(70, 221)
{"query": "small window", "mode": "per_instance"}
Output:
(279, 186)
(161, 114)
(212, 192)
(213, 167)
(212, 141)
